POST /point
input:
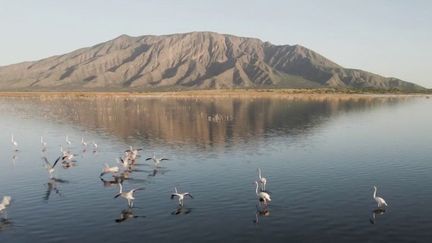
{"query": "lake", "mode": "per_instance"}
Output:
(321, 157)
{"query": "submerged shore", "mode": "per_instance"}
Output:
(255, 93)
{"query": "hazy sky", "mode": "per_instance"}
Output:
(391, 38)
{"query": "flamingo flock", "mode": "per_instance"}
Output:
(125, 167)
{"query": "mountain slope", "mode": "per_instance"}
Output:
(193, 60)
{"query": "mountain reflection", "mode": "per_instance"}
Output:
(203, 121)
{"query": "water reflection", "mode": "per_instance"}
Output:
(5, 223)
(127, 214)
(261, 212)
(205, 122)
(181, 210)
(375, 212)
(52, 186)
(110, 183)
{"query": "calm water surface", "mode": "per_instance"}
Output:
(321, 158)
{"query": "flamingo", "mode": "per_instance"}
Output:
(67, 140)
(48, 166)
(108, 169)
(262, 196)
(262, 180)
(84, 143)
(4, 204)
(180, 196)
(129, 196)
(44, 144)
(380, 201)
(156, 160)
(14, 143)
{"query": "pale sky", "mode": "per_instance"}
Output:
(387, 37)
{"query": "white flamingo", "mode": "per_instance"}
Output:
(14, 143)
(49, 167)
(108, 169)
(379, 200)
(67, 140)
(4, 204)
(44, 144)
(84, 143)
(180, 196)
(156, 160)
(95, 147)
(129, 196)
(262, 196)
(262, 180)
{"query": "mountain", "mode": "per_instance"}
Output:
(196, 60)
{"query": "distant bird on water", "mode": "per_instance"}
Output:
(14, 143)
(180, 196)
(43, 143)
(67, 140)
(379, 200)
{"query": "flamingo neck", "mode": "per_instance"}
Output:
(259, 173)
(374, 194)
(256, 190)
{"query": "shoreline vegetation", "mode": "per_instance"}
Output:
(252, 93)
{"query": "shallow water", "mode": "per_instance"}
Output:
(321, 158)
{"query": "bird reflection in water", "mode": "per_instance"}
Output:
(377, 211)
(5, 223)
(261, 212)
(127, 214)
(14, 159)
(181, 210)
(157, 171)
(109, 183)
(52, 185)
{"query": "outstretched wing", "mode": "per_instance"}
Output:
(148, 159)
(173, 195)
(57, 160)
(188, 194)
(163, 159)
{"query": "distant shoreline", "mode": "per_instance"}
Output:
(255, 93)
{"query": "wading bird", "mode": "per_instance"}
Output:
(108, 169)
(262, 180)
(14, 143)
(129, 196)
(83, 143)
(67, 140)
(95, 147)
(44, 144)
(48, 166)
(379, 200)
(4, 204)
(156, 160)
(263, 197)
(180, 196)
